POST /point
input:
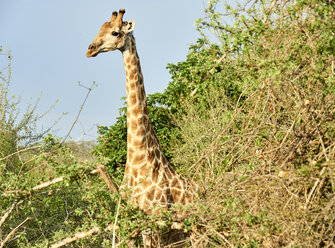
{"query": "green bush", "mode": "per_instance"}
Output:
(264, 162)
(249, 116)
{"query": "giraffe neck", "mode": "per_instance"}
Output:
(148, 174)
(138, 125)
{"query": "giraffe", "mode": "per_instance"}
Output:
(153, 184)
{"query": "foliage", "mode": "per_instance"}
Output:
(265, 162)
(16, 129)
(249, 116)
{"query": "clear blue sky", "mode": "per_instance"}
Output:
(49, 40)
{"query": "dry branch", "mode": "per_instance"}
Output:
(115, 222)
(214, 142)
(36, 188)
(81, 108)
(5, 216)
(106, 177)
(80, 235)
(47, 184)
(20, 151)
(13, 231)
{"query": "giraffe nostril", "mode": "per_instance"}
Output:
(91, 47)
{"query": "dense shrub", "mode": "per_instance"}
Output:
(249, 116)
(266, 162)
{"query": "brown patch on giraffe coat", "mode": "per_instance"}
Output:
(133, 71)
(145, 121)
(131, 181)
(140, 132)
(146, 183)
(133, 126)
(158, 194)
(168, 173)
(134, 172)
(175, 184)
(144, 172)
(150, 143)
(164, 159)
(163, 199)
(151, 154)
(138, 158)
(136, 110)
(132, 85)
(142, 93)
(139, 143)
(150, 193)
(155, 171)
(175, 194)
(128, 60)
(132, 77)
(157, 153)
(134, 61)
(132, 99)
(130, 150)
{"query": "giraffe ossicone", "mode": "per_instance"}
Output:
(153, 183)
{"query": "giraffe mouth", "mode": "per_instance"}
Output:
(91, 53)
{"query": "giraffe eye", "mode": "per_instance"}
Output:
(115, 33)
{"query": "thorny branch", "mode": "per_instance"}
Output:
(79, 112)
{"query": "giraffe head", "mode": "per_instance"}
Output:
(112, 35)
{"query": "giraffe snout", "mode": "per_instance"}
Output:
(92, 50)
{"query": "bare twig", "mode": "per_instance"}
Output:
(81, 108)
(13, 231)
(80, 235)
(77, 236)
(101, 169)
(37, 187)
(132, 234)
(106, 177)
(5, 216)
(47, 184)
(20, 151)
(115, 227)
(321, 172)
(217, 138)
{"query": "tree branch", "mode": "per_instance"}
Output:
(80, 235)
(13, 231)
(81, 108)
(3, 219)
(106, 177)
(47, 184)
(23, 150)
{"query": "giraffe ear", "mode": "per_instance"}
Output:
(129, 27)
